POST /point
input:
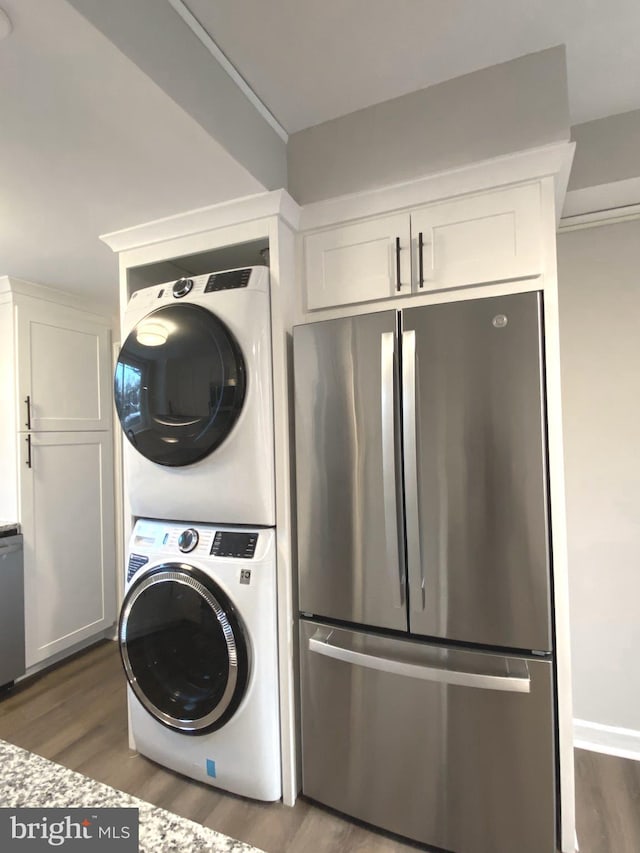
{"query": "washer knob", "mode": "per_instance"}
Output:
(182, 287)
(188, 540)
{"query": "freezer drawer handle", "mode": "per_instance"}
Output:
(505, 683)
(387, 386)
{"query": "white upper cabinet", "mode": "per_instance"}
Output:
(359, 262)
(63, 359)
(486, 237)
(490, 237)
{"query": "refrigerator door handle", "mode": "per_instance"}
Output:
(320, 644)
(387, 412)
(412, 497)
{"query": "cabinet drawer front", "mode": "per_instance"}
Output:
(490, 237)
(358, 263)
(449, 747)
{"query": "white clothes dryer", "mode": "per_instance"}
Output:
(193, 391)
(198, 641)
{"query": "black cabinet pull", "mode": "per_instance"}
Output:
(397, 263)
(420, 260)
(28, 440)
(28, 402)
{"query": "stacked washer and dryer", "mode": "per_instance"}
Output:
(198, 624)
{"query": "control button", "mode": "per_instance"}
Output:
(182, 287)
(188, 540)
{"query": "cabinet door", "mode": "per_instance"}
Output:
(358, 263)
(63, 369)
(490, 237)
(67, 515)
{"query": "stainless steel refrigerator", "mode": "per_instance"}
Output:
(425, 584)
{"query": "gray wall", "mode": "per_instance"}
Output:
(151, 34)
(607, 150)
(505, 108)
(600, 351)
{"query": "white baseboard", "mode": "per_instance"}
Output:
(608, 739)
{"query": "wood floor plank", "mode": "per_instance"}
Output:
(75, 714)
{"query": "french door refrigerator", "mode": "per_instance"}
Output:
(427, 669)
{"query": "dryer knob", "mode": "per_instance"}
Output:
(182, 287)
(188, 540)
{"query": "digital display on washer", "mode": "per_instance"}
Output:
(227, 280)
(226, 544)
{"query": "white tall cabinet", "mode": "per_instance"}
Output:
(56, 464)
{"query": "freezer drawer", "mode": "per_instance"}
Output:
(451, 748)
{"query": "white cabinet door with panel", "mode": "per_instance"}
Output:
(474, 239)
(62, 364)
(357, 263)
(490, 237)
(66, 503)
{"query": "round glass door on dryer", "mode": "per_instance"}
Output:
(193, 392)
(184, 649)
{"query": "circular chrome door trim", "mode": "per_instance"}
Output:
(180, 574)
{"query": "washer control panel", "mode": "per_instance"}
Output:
(234, 544)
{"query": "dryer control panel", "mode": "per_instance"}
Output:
(228, 280)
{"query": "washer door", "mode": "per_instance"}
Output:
(183, 648)
(179, 384)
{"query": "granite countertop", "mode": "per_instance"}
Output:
(9, 526)
(28, 780)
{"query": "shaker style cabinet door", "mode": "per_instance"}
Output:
(66, 495)
(358, 263)
(483, 238)
(63, 360)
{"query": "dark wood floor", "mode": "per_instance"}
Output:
(75, 714)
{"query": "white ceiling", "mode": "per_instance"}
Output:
(89, 144)
(312, 60)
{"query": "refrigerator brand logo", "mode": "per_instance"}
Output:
(112, 829)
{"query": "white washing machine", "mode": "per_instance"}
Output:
(193, 391)
(198, 641)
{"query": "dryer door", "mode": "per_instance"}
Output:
(183, 647)
(179, 384)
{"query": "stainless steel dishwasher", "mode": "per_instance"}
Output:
(12, 663)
